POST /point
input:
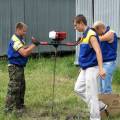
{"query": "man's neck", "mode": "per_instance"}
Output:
(18, 35)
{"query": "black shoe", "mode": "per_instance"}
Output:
(7, 111)
(19, 112)
(23, 106)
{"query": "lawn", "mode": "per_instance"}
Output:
(38, 99)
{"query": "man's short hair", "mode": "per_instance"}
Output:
(98, 23)
(20, 25)
(80, 18)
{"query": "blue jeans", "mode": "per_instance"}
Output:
(105, 85)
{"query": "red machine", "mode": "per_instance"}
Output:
(57, 36)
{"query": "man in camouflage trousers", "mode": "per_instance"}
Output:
(17, 58)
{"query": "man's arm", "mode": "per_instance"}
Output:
(109, 36)
(96, 47)
(26, 51)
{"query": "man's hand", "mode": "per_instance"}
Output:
(35, 41)
(102, 73)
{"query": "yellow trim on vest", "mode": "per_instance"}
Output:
(17, 43)
(15, 39)
(87, 38)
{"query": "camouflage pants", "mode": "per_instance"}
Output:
(16, 88)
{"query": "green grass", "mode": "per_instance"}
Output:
(117, 76)
(39, 79)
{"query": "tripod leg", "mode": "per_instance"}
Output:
(53, 86)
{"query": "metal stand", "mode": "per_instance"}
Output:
(54, 79)
(56, 43)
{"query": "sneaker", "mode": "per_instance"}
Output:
(103, 106)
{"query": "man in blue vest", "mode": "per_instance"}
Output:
(90, 60)
(108, 40)
(18, 54)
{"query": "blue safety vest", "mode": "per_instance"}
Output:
(14, 57)
(87, 55)
(109, 50)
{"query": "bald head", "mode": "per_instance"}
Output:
(98, 23)
(99, 27)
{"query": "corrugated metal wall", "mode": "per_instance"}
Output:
(41, 16)
(106, 10)
(84, 7)
(109, 12)
(5, 26)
